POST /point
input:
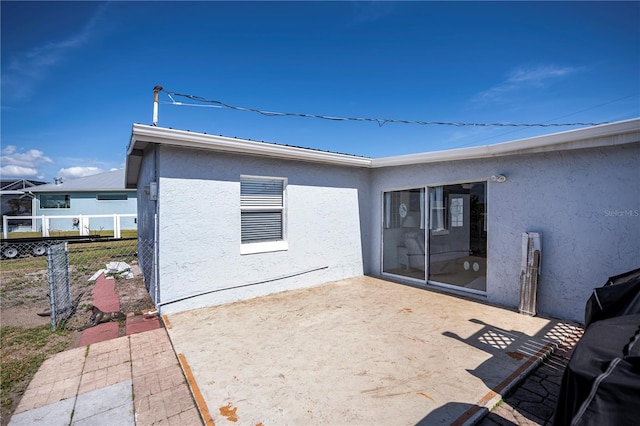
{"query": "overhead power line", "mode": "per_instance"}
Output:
(381, 121)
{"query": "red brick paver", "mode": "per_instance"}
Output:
(105, 296)
(138, 324)
(99, 333)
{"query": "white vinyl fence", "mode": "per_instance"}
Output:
(84, 224)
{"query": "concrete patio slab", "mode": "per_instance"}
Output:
(358, 351)
(56, 414)
(107, 405)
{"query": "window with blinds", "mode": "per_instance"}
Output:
(261, 209)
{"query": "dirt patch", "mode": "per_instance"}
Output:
(23, 285)
(23, 317)
(132, 294)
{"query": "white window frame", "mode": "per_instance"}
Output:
(64, 204)
(266, 246)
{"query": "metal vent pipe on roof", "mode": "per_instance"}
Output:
(155, 104)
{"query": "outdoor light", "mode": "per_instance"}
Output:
(499, 178)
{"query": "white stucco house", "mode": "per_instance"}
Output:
(231, 219)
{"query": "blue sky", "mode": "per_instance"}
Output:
(76, 75)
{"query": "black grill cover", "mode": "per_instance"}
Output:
(619, 296)
(601, 385)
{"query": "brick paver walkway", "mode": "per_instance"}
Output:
(77, 386)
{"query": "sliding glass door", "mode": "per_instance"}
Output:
(403, 236)
(437, 235)
(458, 235)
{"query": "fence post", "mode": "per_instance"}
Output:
(45, 226)
(85, 226)
(116, 226)
(5, 225)
(52, 299)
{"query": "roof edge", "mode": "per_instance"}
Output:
(618, 133)
(143, 134)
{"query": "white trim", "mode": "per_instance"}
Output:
(618, 133)
(263, 247)
(143, 134)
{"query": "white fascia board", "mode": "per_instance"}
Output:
(74, 190)
(151, 134)
(618, 133)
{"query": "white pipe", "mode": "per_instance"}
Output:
(155, 104)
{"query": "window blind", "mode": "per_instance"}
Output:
(262, 205)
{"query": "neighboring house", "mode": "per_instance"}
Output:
(233, 219)
(16, 200)
(87, 204)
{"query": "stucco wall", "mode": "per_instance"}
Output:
(586, 204)
(199, 217)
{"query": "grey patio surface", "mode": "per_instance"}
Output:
(357, 351)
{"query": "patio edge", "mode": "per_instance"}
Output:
(484, 406)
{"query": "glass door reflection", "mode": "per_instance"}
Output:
(458, 235)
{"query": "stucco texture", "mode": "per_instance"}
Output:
(199, 228)
(585, 203)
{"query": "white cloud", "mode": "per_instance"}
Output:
(78, 171)
(24, 71)
(523, 78)
(538, 75)
(18, 172)
(17, 164)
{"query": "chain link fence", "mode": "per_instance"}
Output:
(61, 308)
(59, 282)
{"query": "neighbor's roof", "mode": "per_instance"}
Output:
(17, 186)
(102, 182)
(618, 133)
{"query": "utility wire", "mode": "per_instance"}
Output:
(381, 121)
(556, 118)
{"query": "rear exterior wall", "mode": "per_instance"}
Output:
(585, 203)
(327, 227)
